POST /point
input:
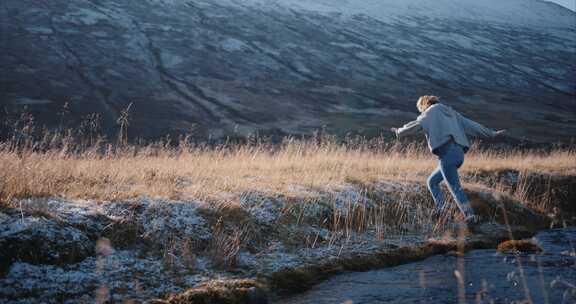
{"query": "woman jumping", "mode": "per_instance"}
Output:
(446, 131)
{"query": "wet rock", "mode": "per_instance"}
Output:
(245, 291)
(525, 246)
(38, 240)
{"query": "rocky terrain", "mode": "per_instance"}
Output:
(165, 251)
(225, 67)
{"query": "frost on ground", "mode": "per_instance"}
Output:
(122, 275)
(39, 240)
(57, 249)
(79, 250)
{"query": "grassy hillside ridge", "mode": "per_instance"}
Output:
(183, 172)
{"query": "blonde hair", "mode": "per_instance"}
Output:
(426, 101)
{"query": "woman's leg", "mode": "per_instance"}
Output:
(449, 164)
(433, 183)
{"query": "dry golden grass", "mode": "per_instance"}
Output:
(205, 173)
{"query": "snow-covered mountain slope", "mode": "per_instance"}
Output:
(290, 66)
(526, 13)
(569, 4)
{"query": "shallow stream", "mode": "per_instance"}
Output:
(488, 276)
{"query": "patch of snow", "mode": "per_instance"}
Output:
(164, 219)
(32, 101)
(100, 34)
(518, 12)
(87, 214)
(263, 209)
(347, 45)
(301, 67)
(85, 16)
(40, 30)
(348, 197)
(569, 4)
(171, 60)
(233, 45)
(157, 220)
(302, 191)
(270, 50)
(333, 89)
(368, 56)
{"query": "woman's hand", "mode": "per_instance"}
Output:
(500, 132)
(395, 131)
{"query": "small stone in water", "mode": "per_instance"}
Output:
(513, 246)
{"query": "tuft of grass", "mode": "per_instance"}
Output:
(225, 245)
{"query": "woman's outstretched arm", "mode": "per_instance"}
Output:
(408, 129)
(475, 129)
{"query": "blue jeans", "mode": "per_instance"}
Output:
(451, 157)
